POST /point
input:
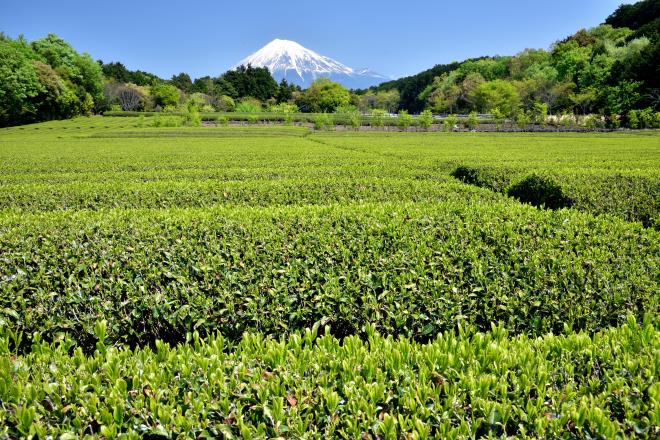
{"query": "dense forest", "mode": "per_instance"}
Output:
(609, 69)
(612, 70)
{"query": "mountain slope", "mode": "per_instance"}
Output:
(298, 65)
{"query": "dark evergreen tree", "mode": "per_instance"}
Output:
(183, 82)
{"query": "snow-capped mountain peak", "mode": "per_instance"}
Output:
(291, 61)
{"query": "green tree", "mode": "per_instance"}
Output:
(46, 79)
(623, 97)
(325, 96)
(570, 59)
(165, 95)
(248, 81)
(497, 94)
(633, 119)
(183, 82)
(522, 119)
(285, 91)
(80, 70)
(540, 113)
(19, 83)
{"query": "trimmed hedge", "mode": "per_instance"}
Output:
(540, 191)
(414, 269)
(631, 197)
(494, 178)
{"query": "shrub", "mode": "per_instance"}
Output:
(191, 117)
(283, 108)
(633, 119)
(348, 115)
(449, 124)
(377, 117)
(540, 191)
(404, 120)
(225, 103)
(165, 95)
(248, 105)
(472, 121)
(522, 119)
(567, 120)
(498, 118)
(425, 119)
(591, 122)
(252, 119)
(279, 269)
(167, 121)
(540, 113)
(647, 118)
(322, 122)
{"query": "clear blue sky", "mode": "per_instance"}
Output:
(395, 38)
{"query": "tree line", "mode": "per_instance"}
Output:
(46, 79)
(612, 70)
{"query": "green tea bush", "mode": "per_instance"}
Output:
(540, 191)
(413, 269)
(494, 178)
(631, 197)
(209, 190)
(465, 385)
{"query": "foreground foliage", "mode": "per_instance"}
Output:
(304, 386)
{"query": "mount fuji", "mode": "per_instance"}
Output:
(298, 65)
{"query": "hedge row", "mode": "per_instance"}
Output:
(631, 197)
(200, 193)
(409, 269)
(307, 118)
(466, 385)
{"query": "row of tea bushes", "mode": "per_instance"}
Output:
(413, 269)
(631, 197)
(200, 193)
(464, 385)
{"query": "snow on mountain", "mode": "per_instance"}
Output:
(298, 65)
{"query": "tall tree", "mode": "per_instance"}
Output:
(183, 82)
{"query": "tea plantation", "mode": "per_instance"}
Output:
(263, 281)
